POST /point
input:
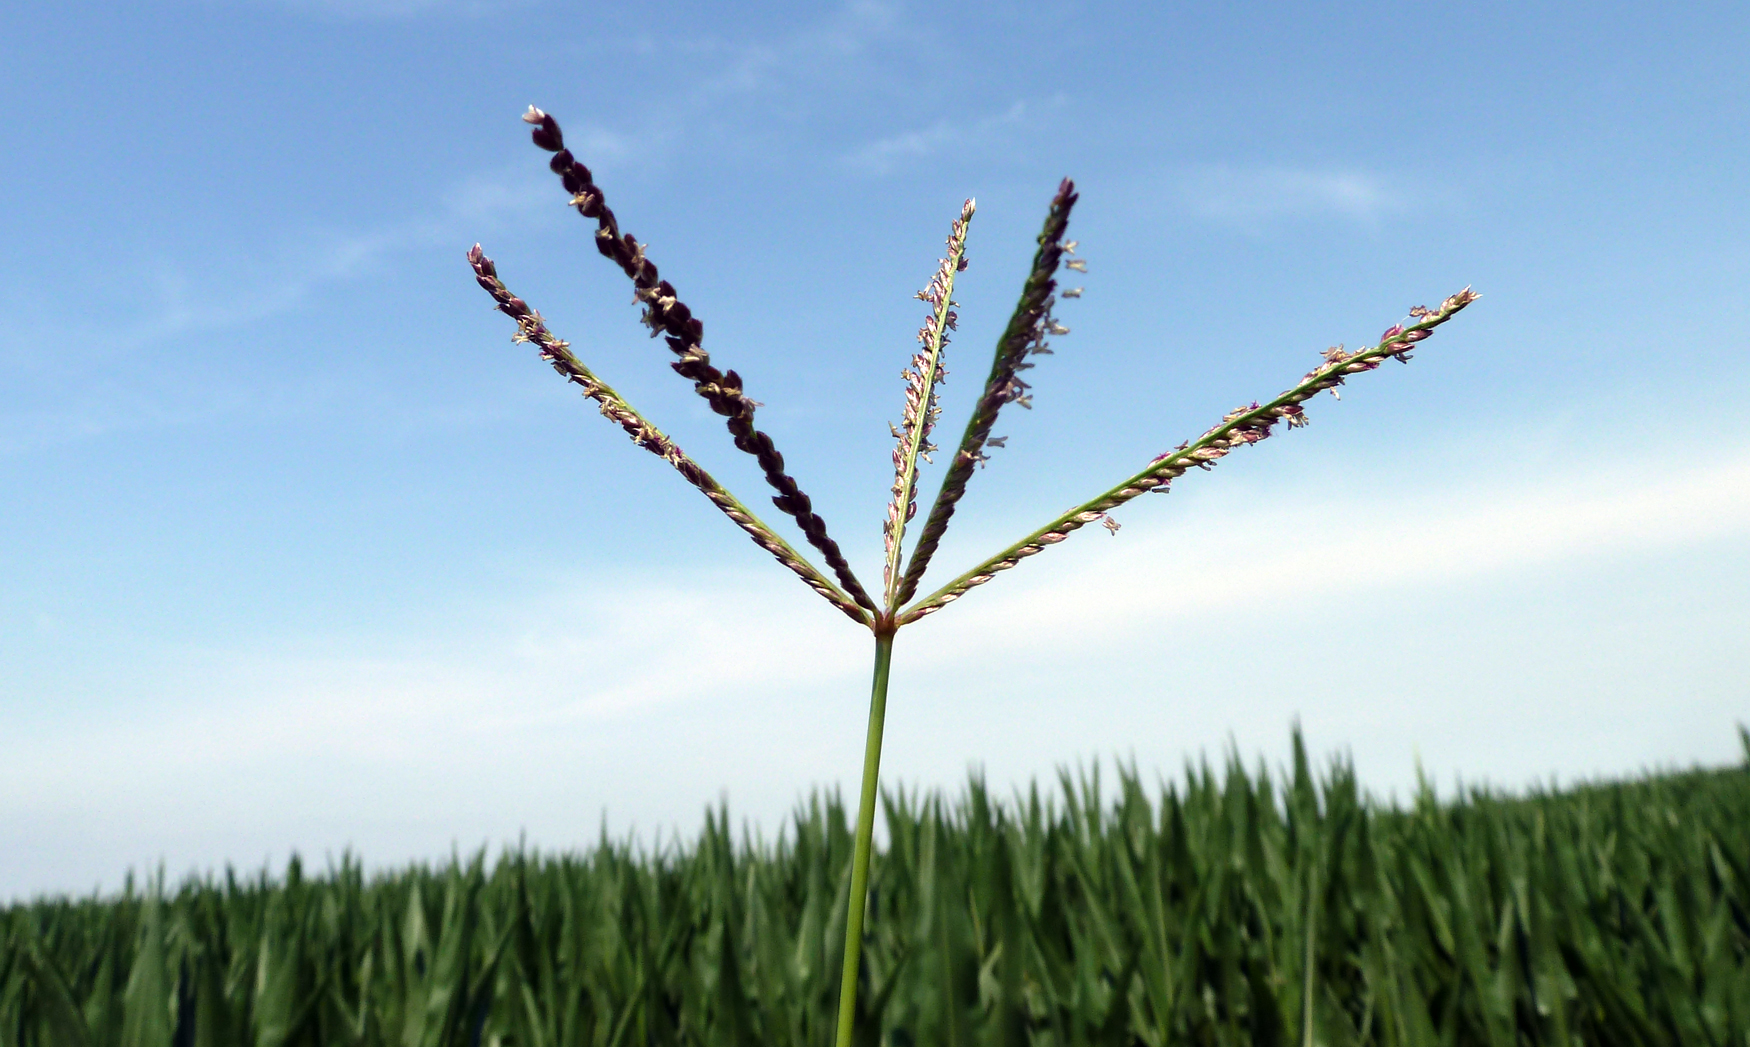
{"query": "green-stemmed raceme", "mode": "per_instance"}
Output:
(530, 328)
(1027, 334)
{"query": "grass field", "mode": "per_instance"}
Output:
(1231, 908)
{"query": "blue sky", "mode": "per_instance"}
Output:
(300, 552)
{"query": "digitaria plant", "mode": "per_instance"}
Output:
(1028, 334)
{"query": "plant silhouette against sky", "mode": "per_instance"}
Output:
(897, 604)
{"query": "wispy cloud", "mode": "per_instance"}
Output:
(1156, 581)
(884, 155)
(567, 696)
(808, 50)
(1252, 197)
(613, 649)
(474, 206)
(745, 86)
(182, 297)
(521, 710)
(578, 657)
(177, 298)
(380, 10)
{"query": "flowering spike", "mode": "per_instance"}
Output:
(1238, 428)
(1024, 335)
(555, 351)
(922, 407)
(666, 315)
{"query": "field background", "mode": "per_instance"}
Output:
(1232, 908)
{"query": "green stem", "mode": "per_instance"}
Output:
(865, 839)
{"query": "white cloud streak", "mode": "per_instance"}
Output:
(814, 49)
(1195, 571)
(644, 698)
(1251, 197)
(944, 137)
(178, 304)
(386, 10)
(618, 649)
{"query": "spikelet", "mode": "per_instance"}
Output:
(923, 379)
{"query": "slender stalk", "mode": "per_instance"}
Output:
(1309, 983)
(865, 838)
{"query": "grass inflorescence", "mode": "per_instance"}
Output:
(1027, 335)
(1230, 909)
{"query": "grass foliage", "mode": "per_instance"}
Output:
(1225, 910)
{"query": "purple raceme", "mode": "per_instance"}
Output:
(666, 315)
